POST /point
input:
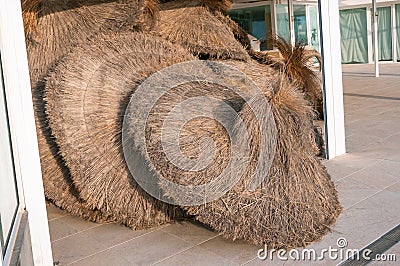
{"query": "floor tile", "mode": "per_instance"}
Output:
(68, 225)
(197, 256)
(238, 251)
(147, 249)
(53, 212)
(192, 232)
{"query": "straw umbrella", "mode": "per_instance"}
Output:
(297, 201)
(86, 97)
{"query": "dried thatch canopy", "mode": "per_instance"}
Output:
(86, 97)
(297, 202)
(95, 59)
(53, 29)
(196, 27)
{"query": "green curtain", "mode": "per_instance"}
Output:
(314, 27)
(398, 31)
(353, 29)
(282, 21)
(385, 33)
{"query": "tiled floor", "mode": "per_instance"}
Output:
(367, 178)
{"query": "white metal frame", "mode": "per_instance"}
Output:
(23, 130)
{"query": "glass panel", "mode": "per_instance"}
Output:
(314, 25)
(353, 30)
(8, 188)
(385, 33)
(398, 31)
(256, 21)
(300, 24)
(282, 22)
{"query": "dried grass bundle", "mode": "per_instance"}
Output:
(194, 25)
(217, 5)
(30, 12)
(86, 98)
(53, 29)
(294, 206)
(296, 64)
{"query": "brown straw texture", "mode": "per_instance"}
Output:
(195, 26)
(53, 29)
(298, 201)
(86, 98)
(296, 62)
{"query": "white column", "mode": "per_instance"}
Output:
(394, 36)
(308, 23)
(291, 22)
(376, 44)
(332, 78)
(370, 36)
(273, 19)
(22, 125)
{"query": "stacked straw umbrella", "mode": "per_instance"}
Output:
(86, 62)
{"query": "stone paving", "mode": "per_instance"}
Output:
(367, 178)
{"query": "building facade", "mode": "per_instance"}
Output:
(265, 19)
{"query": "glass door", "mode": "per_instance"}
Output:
(9, 202)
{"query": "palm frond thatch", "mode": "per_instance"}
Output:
(197, 28)
(294, 206)
(86, 97)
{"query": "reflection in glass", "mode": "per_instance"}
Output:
(300, 24)
(314, 27)
(256, 21)
(282, 21)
